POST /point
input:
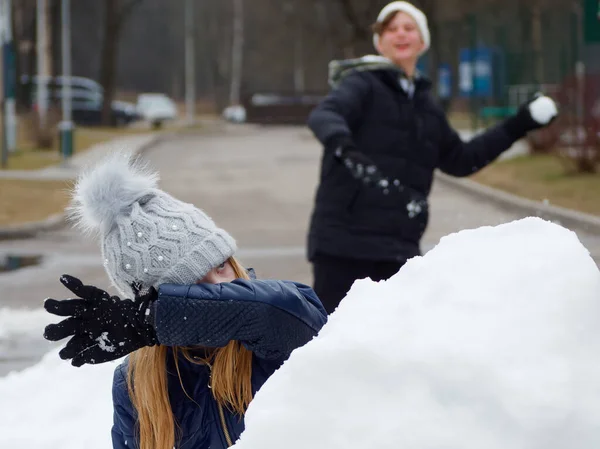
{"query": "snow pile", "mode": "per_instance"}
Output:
(14, 322)
(489, 341)
(54, 405)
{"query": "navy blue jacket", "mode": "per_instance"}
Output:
(271, 318)
(407, 138)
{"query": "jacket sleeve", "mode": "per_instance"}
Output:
(123, 429)
(333, 119)
(271, 318)
(459, 158)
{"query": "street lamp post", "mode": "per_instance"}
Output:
(9, 120)
(41, 85)
(66, 125)
(9, 79)
(189, 62)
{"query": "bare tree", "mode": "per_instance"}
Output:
(272, 57)
(115, 15)
(24, 28)
(359, 16)
(294, 19)
(430, 9)
(237, 52)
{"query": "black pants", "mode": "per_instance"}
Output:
(333, 276)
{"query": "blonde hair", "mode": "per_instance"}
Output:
(230, 384)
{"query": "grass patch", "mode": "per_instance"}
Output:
(23, 200)
(466, 120)
(27, 157)
(460, 120)
(544, 177)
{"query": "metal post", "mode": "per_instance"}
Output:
(580, 111)
(3, 144)
(9, 121)
(580, 73)
(66, 126)
(473, 45)
(536, 38)
(299, 58)
(189, 62)
(237, 52)
(42, 75)
(9, 79)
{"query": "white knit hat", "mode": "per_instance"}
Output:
(147, 236)
(412, 11)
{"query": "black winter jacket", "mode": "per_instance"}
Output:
(407, 138)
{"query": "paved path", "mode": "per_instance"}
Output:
(256, 182)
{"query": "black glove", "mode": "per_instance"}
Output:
(536, 113)
(362, 168)
(103, 327)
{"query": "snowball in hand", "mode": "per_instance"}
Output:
(491, 340)
(543, 109)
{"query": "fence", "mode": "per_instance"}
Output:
(501, 54)
(280, 107)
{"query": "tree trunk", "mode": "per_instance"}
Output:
(116, 13)
(323, 20)
(359, 29)
(49, 70)
(54, 28)
(429, 9)
(43, 63)
(237, 51)
(299, 71)
(217, 46)
(295, 22)
(24, 35)
(31, 47)
(108, 62)
(536, 39)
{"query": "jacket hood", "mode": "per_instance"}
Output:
(339, 69)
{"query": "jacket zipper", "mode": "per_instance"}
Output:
(221, 417)
(224, 425)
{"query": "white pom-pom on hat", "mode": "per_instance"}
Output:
(109, 189)
(543, 109)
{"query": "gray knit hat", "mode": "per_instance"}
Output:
(147, 236)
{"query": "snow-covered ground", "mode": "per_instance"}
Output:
(19, 322)
(490, 340)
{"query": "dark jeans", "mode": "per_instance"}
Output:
(333, 276)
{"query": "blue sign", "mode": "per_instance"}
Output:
(423, 65)
(476, 72)
(444, 80)
(10, 73)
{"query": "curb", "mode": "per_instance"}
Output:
(560, 215)
(33, 228)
